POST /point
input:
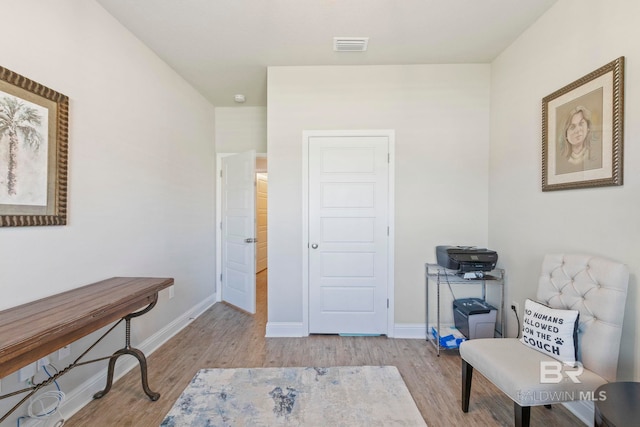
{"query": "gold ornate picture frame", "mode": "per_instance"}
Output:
(33, 152)
(582, 131)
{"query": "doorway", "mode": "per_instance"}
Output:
(262, 191)
(241, 243)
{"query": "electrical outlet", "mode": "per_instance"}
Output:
(172, 292)
(64, 352)
(42, 362)
(515, 306)
(27, 372)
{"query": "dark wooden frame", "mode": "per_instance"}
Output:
(610, 75)
(55, 211)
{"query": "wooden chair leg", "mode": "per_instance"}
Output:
(467, 374)
(522, 415)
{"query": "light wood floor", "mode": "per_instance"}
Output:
(224, 337)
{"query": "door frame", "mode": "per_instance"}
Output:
(390, 134)
(219, 156)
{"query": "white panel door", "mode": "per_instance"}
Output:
(238, 231)
(348, 234)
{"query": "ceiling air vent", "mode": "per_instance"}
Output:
(350, 44)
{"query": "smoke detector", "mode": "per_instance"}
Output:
(239, 98)
(350, 44)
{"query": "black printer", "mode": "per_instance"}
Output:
(474, 317)
(466, 258)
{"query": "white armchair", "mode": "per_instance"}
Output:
(594, 286)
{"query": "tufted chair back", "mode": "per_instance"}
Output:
(597, 287)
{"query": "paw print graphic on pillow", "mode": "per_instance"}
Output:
(559, 341)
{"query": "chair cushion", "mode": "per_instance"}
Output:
(527, 376)
(552, 331)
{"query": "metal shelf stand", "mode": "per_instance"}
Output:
(443, 276)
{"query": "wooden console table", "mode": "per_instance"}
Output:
(36, 329)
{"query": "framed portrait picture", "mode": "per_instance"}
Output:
(582, 131)
(33, 152)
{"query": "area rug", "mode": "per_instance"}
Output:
(339, 396)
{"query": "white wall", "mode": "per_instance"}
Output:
(441, 117)
(141, 167)
(240, 129)
(572, 39)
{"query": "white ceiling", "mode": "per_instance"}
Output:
(223, 47)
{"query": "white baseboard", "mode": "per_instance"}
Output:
(410, 331)
(285, 329)
(80, 396)
(583, 409)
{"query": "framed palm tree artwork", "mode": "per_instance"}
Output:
(33, 152)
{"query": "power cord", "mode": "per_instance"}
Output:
(446, 276)
(46, 404)
(513, 307)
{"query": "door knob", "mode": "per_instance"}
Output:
(250, 240)
(314, 246)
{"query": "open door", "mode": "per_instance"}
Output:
(238, 231)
